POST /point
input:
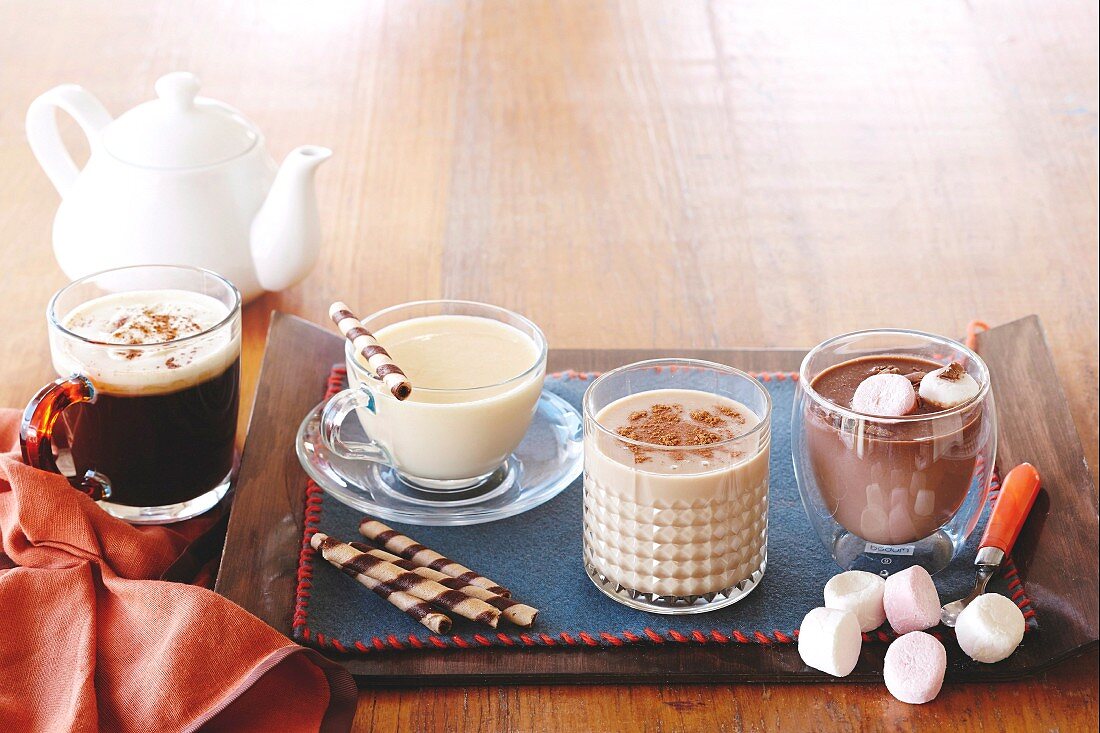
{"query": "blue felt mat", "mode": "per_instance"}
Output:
(538, 556)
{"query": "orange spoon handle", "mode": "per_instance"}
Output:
(1017, 496)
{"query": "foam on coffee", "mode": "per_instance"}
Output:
(161, 348)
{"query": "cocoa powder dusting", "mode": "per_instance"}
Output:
(731, 413)
(664, 424)
(151, 327)
(145, 326)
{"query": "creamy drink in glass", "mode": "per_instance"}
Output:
(476, 373)
(676, 484)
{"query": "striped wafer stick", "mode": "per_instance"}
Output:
(347, 558)
(409, 549)
(421, 611)
(518, 613)
(376, 355)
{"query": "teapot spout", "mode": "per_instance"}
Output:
(286, 231)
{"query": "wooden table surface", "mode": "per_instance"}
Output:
(628, 174)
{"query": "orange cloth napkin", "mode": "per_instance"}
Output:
(91, 642)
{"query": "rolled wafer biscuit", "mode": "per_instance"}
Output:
(410, 549)
(518, 613)
(376, 355)
(420, 610)
(348, 558)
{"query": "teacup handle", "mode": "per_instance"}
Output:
(36, 431)
(332, 419)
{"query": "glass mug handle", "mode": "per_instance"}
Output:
(332, 419)
(36, 431)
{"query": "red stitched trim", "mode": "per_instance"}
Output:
(312, 516)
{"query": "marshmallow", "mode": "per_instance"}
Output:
(829, 640)
(948, 387)
(990, 628)
(911, 600)
(914, 667)
(886, 395)
(860, 593)
(873, 522)
(925, 503)
(902, 528)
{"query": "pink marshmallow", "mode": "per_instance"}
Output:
(886, 395)
(914, 667)
(911, 600)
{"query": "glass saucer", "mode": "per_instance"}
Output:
(547, 461)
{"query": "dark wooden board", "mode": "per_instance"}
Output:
(1056, 552)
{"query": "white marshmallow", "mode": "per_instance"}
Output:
(876, 497)
(886, 395)
(860, 593)
(990, 628)
(829, 640)
(902, 528)
(948, 391)
(925, 503)
(873, 522)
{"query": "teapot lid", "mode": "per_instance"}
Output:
(179, 129)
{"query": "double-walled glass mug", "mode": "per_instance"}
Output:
(476, 372)
(676, 484)
(144, 415)
(885, 493)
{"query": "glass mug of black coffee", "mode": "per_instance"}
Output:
(144, 415)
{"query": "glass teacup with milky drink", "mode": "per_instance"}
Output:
(476, 372)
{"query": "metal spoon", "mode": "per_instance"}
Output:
(1017, 496)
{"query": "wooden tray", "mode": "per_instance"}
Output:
(1056, 553)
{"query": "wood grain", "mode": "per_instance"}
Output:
(260, 577)
(636, 174)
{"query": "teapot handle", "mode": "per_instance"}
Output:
(43, 135)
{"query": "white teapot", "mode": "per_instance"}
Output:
(178, 180)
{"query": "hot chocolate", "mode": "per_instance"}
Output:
(891, 479)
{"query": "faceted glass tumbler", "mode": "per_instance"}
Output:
(690, 536)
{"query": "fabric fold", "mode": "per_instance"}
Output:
(93, 642)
